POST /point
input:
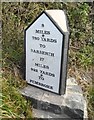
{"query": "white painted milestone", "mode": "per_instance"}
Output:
(44, 43)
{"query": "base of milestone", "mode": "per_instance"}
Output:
(45, 104)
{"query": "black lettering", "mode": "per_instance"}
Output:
(47, 73)
(41, 65)
(32, 81)
(37, 31)
(47, 32)
(36, 82)
(33, 69)
(48, 40)
(41, 77)
(41, 59)
(42, 32)
(42, 45)
(35, 38)
(41, 84)
(42, 52)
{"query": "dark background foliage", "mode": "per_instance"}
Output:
(16, 16)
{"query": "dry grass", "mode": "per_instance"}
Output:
(14, 105)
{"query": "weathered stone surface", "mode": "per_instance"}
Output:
(47, 115)
(71, 104)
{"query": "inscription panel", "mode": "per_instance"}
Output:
(43, 54)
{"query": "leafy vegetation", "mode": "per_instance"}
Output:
(15, 18)
(13, 104)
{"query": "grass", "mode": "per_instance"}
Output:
(14, 105)
(15, 17)
(91, 102)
